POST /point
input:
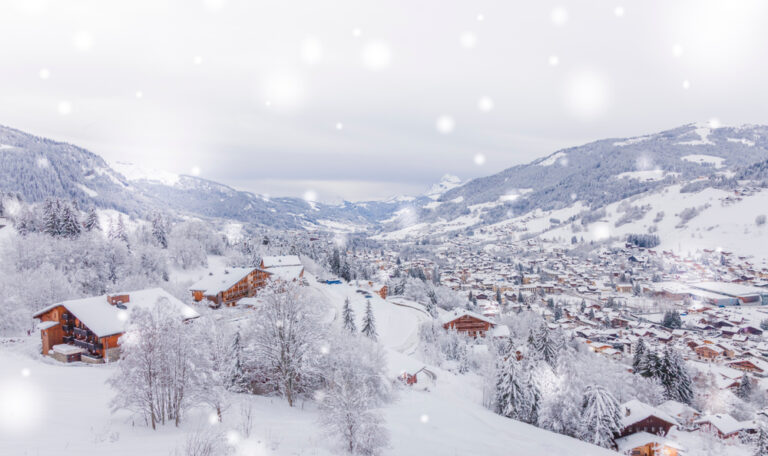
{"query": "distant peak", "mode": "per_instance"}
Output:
(447, 182)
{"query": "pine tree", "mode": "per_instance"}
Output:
(345, 272)
(237, 380)
(349, 317)
(120, 232)
(92, 221)
(600, 416)
(545, 345)
(639, 356)
(744, 391)
(509, 393)
(52, 217)
(761, 442)
(70, 225)
(431, 305)
(369, 323)
(159, 231)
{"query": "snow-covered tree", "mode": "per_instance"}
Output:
(284, 341)
(159, 230)
(349, 317)
(600, 416)
(761, 442)
(639, 356)
(91, 221)
(744, 390)
(69, 224)
(354, 386)
(369, 323)
(517, 396)
(238, 382)
(157, 376)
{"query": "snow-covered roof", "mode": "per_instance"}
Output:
(635, 411)
(66, 349)
(278, 261)
(725, 423)
(218, 281)
(104, 319)
(47, 325)
(638, 439)
(500, 331)
(286, 272)
(455, 314)
(676, 408)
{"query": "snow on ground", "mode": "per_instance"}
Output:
(744, 141)
(646, 176)
(728, 223)
(552, 159)
(87, 191)
(704, 159)
(134, 172)
(69, 405)
(631, 141)
(340, 227)
(703, 133)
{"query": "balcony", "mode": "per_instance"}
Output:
(80, 332)
(87, 345)
(67, 328)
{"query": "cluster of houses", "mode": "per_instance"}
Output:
(89, 329)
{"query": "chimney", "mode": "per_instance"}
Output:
(118, 299)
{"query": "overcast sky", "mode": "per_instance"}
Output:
(366, 99)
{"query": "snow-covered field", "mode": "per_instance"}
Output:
(69, 406)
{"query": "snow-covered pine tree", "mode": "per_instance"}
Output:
(600, 416)
(639, 355)
(545, 345)
(761, 442)
(744, 390)
(92, 221)
(159, 231)
(52, 217)
(349, 317)
(238, 382)
(70, 225)
(509, 392)
(369, 323)
(674, 377)
(120, 232)
(431, 304)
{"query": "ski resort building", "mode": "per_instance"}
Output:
(287, 267)
(641, 417)
(228, 286)
(89, 329)
(467, 322)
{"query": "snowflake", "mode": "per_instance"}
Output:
(468, 40)
(445, 124)
(619, 11)
(424, 418)
(310, 196)
(311, 51)
(65, 108)
(83, 41)
(479, 159)
(377, 55)
(677, 50)
(686, 84)
(339, 126)
(554, 60)
(195, 171)
(45, 73)
(485, 104)
(559, 16)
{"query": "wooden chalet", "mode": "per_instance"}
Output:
(286, 267)
(724, 426)
(641, 417)
(466, 322)
(89, 329)
(228, 286)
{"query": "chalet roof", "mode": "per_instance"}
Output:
(625, 444)
(725, 423)
(278, 261)
(634, 411)
(47, 325)
(287, 272)
(222, 280)
(104, 319)
(676, 408)
(458, 313)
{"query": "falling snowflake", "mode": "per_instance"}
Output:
(377, 55)
(139, 94)
(197, 60)
(480, 17)
(445, 124)
(339, 126)
(284, 88)
(310, 196)
(195, 171)
(619, 11)
(213, 419)
(83, 41)
(677, 50)
(65, 108)
(45, 73)
(714, 123)
(356, 32)
(559, 16)
(554, 60)
(26, 372)
(311, 51)
(479, 159)
(686, 84)
(468, 40)
(485, 104)
(424, 418)
(587, 94)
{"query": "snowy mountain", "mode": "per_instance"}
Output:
(572, 182)
(38, 168)
(447, 182)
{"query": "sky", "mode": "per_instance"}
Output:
(366, 99)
